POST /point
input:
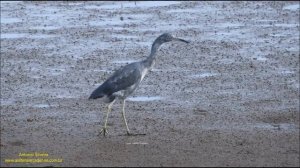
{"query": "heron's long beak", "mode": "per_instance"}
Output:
(178, 39)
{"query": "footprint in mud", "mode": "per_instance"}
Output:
(198, 111)
(17, 143)
(30, 119)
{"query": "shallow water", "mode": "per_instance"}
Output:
(204, 75)
(291, 25)
(188, 11)
(285, 71)
(294, 7)
(55, 71)
(120, 20)
(8, 20)
(280, 126)
(46, 27)
(124, 61)
(41, 105)
(24, 35)
(13, 35)
(7, 102)
(142, 4)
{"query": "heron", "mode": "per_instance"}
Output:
(125, 80)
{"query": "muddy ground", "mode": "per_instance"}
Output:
(229, 98)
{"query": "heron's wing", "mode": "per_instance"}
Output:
(123, 78)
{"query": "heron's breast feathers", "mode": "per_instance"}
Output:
(144, 72)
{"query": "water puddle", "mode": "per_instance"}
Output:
(145, 98)
(52, 17)
(8, 2)
(93, 7)
(169, 27)
(286, 72)
(24, 35)
(280, 35)
(294, 7)
(204, 75)
(286, 25)
(137, 16)
(281, 126)
(225, 25)
(5, 20)
(137, 143)
(120, 20)
(266, 20)
(226, 61)
(41, 105)
(38, 36)
(148, 4)
(65, 96)
(124, 61)
(12, 35)
(7, 102)
(272, 23)
(233, 35)
(97, 84)
(189, 10)
(46, 28)
(136, 4)
(170, 70)
(110, 22)
(35, 76)
(55, 71)
(74, 3)
(125, 36)
(295, 84)
(261, 58)
(97, 70)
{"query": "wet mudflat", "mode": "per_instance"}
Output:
(229, 98)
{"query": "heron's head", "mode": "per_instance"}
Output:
(166, 37)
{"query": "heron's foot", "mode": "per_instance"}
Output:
(103, 131)
(131, 134)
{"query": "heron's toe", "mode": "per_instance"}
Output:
(103, 131)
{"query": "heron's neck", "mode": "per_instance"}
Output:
(150, 61)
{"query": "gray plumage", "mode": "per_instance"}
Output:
(125, 80)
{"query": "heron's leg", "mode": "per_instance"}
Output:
(124, 118)
(104, 129)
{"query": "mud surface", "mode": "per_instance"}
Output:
(229, 98)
